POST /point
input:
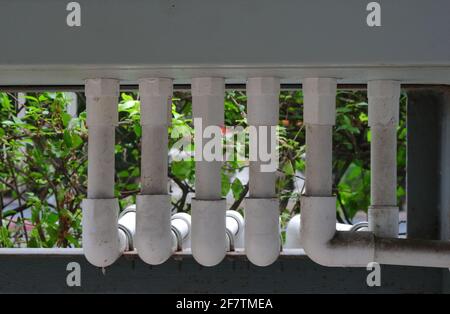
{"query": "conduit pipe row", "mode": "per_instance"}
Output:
(262, 228)
(180, 228)
(154, 241)
(319, 237)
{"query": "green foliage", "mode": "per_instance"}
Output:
(43, 168)
(43, 161)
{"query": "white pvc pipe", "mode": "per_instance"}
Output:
(102, 118)
(127, 227)
(262, 115)
(383, 120)
(293, 238)
(328, 247)
(208, 207)
(153, 229)
(181, 231)
(208, 96)
(262, 230)
(156, 100)
(319, 94)
(235, 227)
(208, 231)
(102, 241)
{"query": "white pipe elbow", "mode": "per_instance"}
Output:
(153, 239)
(102, 243)
(181, 231)
(208, 231)
(293, 233)
(235, 230)
(262, 230)
(323, 244)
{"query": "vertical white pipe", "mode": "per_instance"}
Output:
(208, 207)
(383, 98)
(319, 98)
(262, 230)
(319, 149)
(102, 117)
(102, 241)
(153, 231)
(208, 108)
(72, 103)
(156, 100)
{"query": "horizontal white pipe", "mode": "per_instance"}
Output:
(323, 244)
(103, 243)
(328, 247)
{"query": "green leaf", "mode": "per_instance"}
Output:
(288, 169)
(237, 188)
(66, 118)
(137, 129)
(67, 138)
(225, 184)
(76, 140)
(125, 106)
(5, 240)
(183, 169)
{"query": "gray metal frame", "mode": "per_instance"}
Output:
(181, 274)
(235, 39)
(428, 210)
